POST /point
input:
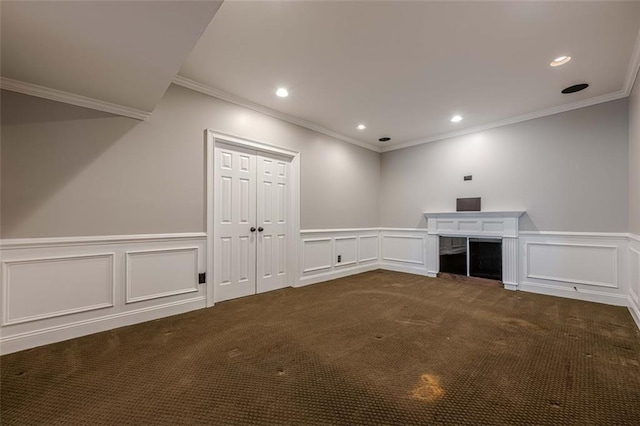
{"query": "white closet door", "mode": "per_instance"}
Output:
(235, 215)
(273, 208)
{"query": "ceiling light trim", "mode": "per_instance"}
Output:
(225, 96)
(71, 98)
(513, 120)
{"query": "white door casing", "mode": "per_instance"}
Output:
(275, 205)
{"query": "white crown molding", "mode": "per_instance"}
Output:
(513, 120)
(632, 70)
(225, 96)
(71, 98)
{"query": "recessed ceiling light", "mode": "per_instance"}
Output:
(456, 119)
(361, 127)
(560, 60)
(282, 92)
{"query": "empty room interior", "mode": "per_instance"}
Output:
(320, 212)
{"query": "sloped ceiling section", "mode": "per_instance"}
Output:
(116, 56)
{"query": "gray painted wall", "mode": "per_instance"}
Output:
(634, 160)
(568, 171)
(70, 171)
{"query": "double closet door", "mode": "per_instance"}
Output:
(251, 208)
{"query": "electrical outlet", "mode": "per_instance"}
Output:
(468, 177)
(202, 278)
(339, 258)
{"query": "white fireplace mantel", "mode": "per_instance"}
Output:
(493, 224)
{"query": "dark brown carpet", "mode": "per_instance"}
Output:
(376, 348)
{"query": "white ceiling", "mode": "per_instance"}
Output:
(120, 52)
(404, 68)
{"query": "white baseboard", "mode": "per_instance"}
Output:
(581, 294)
(39, 337)
(635, 311)
(404, 268)
(335, 274)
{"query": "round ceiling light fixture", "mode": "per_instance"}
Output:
(560, 60)
(385, 139)
(282, 92)
(456, 119)
(575, 88)
(361, 127)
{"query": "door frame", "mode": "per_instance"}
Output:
(211, 138)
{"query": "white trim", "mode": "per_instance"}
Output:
(59, 333)
(213, 136)
(512, 120)
(127, 278)
(570, 292)
(406, 269)
(337, 273)
(6, 318)
(225, 96)
(71, 98)
(573, 281)
(404, 229)
(608, 235)
(634, 237)
(632, 69)
(635, 311)
(336, 231)
(30, 243)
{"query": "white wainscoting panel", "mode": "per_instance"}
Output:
(151, 274)
(39, 288)
(347, 248)
(404, 250)
(581, 266)
(317, 254)
(369, 248)
(61, 288)
(358, 249)
(634, 277)
(589, 264)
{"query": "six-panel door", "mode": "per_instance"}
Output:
(250, 211)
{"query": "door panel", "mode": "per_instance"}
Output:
(235, 213)
(273, 202)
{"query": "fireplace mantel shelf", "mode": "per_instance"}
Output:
(480, 214)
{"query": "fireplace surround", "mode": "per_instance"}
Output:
(498, 226)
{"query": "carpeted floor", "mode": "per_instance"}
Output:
(376, 348)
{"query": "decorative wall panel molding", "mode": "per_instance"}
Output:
(46, 287)
(357, 248)
(580, 266)
(60, 288)
(634, 277)
(152, 274)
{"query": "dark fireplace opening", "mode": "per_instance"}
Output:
(485, 259)
(453, 255)
(473, 257)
